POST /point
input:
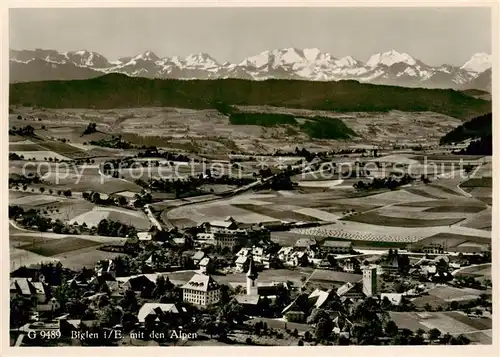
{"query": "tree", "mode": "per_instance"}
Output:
(300, 343)
(316, 315)
(42, 189)
(129, 301)
(391, 329)
(19, 311)
(109, 316)
(434, 334)
(446, 338)
(323, 329)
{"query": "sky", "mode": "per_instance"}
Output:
(432, 35)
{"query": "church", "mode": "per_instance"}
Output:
(258, 296)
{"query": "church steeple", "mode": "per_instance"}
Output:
(252, 273)
(252, 276)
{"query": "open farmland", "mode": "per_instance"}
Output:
(454, 323)
(93, 217)
(58, 246)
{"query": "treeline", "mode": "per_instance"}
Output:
(121, 91)
(386, 182)
(191, 185)
(115, 142)
(154, 152)
(115, 229)
(316, 127)
(479, 127)
(483, 146)
(27, 130)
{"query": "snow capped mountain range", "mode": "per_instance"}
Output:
(391, 67)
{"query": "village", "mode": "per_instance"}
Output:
(228, 283)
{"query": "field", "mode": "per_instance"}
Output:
(449, 210)
(58, 246)
(93, 217)
(454, 323)
(477, 271)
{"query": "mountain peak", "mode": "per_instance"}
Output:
(311, 54)
(147, 56)
(389, 58)
(347, 61)
(479, 62)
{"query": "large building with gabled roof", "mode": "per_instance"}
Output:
(202, 290)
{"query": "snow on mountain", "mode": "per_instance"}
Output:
(311, 54)
(347, 61)
(146, 56)
(391, 67)
(200, 60)
(389, 58)
(478, 63)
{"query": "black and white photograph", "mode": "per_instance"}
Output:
(250, 176)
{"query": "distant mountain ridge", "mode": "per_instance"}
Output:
(390, 67)
(121, 91)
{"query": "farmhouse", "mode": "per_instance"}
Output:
(139, 284)
(258, 255)
(156, 310)
(351, 265)
(30, 289)
(330, 246)
(201, 290)
(198, 256)
(144, 236)
(433, 248)
(206, 265)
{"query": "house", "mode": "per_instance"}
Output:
(342, 326)
(144, 236)
(258, 254)
(329, 246)
(293, 313)
(155, 309)
(217, 226)
(150, 261)
(318, 298)
(231, 234)
(206, 265)
(141, 285)
(202, 290)
(113, 289)
(50, 305)
(205, 238)
(351, 265)
(25, 287)
(391, 263)
(249, 303)
(308, 245)
(241, 263)
(305, 243)
(351, 290)
(433, 248)
(106, 267)
(394, 298)
(198, 256)
(299, 258)
(285, 253)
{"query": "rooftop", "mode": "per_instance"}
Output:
(201, 282)
(155, 308)
(336, 243)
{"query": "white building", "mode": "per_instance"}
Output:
(370, 280)
(201, 290)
